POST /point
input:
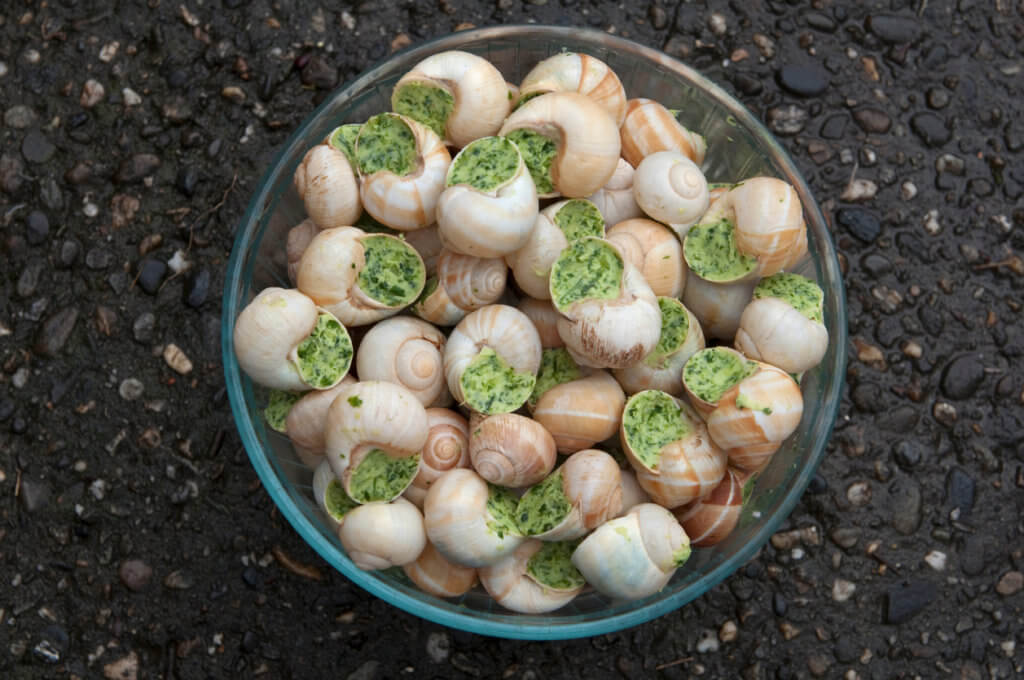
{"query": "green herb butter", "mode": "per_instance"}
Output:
(336, 501)
(675, 325)
(556, 367)
(379, 477)
(552, 566)
(800, 292)
(490, 385)
(713, 371)
(425, 104)
(680, 556)
(578, 218)
(527, 97)
(393, 274)
(543, 507)
(386, 143)
(343, 138)
(485, 164)
(325, 356)
(538, 151)
(278, 406)
(501, 512)
(651, 420)
(711, 252)
(589, 268)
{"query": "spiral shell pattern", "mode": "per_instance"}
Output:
(407, 352)
(510, 586)
(447, 448)
(582, 73)
(708, 521)
(687, 469)
(511, 450)
(650, 127)
(437, 576)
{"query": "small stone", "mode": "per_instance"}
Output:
(859, 493)
(176, 110)
(908, 599)
(92, 94)
(179, 580)
(728, 632)
(845, 537)
(905, 506)
(98, 258)
(930, 128)
(69, 251)
(859, 222)
(137, 167)
(142, 329)
(130, 97)
(806, 80)
(151, 274)
(197, 287)
(818, 665)
(908, 453)
(950, 163)
(131, 389)
(962, 377)
(847, 649)
(944, 413)
(1010, 583)
(908, 190)
(37, 227)
(106, 320)
(717, 24)
(319, 73)
(34, 493)
(109, 51)
(11, 173)
(960, 491)
(368, 671)
(53, 645)
(36, 148)
(894, 29)
(834, 126)
(439, 646)
(859, 190)
(872, 120)
(125, 668)
(765, 44)
(233, 94)
(135, 574)
(708, 643)
(187, 179)
(937, 98)
(177, 359)
(19, 117)
(178, 262)
(936, 559)
(658, 16)
(843, 590)
(149, 243)
(972, 555)
(55, 331)
(787, 120)
(122, 210)
(779, 604)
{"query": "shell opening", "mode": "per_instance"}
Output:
(579, 218)
(713, 371)
(711, 252)
(675, 326)
(485, 164)
(543, 507)
(801, 293)
(589, 268)
(343, 138)
(386, 143)
(490, 385)
(337, 503)
(651, 420)
(393, 274)
(379, 477)
(552, 566)
(427, 104)
(501, 512)
(324, 357)
(538, 151)
(279, 404)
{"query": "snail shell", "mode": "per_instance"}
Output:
(447, 447)
(328, 187)
(408, 202)
(545, 320)
(718, 306)
(655, 251)
(511, 450)
(511, 586)
(464, 283)
(705, 406)
(481, 96)
(331, 496)
(428, 244)
(298, 240)
(615, 199)
(586, 136)
(635, 556)
(582, 412)
(670, 187)
(709, 520)
(407, 352)
(382, 535)
(267, 336)
(592, 485)
(439, 577)
(664, 371)
(459, 523)
(773, 331)
(582, 73)
(632, 493)
(649, 127)
(307, 419)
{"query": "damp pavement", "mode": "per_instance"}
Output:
(137, 542)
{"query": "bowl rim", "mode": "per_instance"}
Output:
(470, 621)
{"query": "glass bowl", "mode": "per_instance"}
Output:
(739, 147)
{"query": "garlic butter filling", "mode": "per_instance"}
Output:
(386, 143)
(711, 372)
(675, 325)
(800, 292)
(485, 164)
(711, 252)
(538, 151)
(425, 104)
(490, 385)
(589, 268)
(501, 512)
(551, 566)
(543, 507)
(379, 477)
(651, 420)
(278, 406)
(325, 356)
(579, 218)
(343, 138)
(556, 367)
(393, 273)
(336, 502)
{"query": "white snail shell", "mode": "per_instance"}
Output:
(545, 319)
(649, 127)
(307, 419)
(582, 412)
(592, 484)
(382, 535)
(718, 306)
(298, 240)
(664, 372)
(670, 187)
(582, 73)
(464, 283)
(407, 352)
(710, 520)
(655, 251)
(615, 199)
(437, 576)
(774, 332)
(325, 487)
(428, 244)
(328, 187)
(511, 450)
(447, 447)
(511, 586)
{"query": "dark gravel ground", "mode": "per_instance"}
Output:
(136, 541)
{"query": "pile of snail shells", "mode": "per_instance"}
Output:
(531, 275)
